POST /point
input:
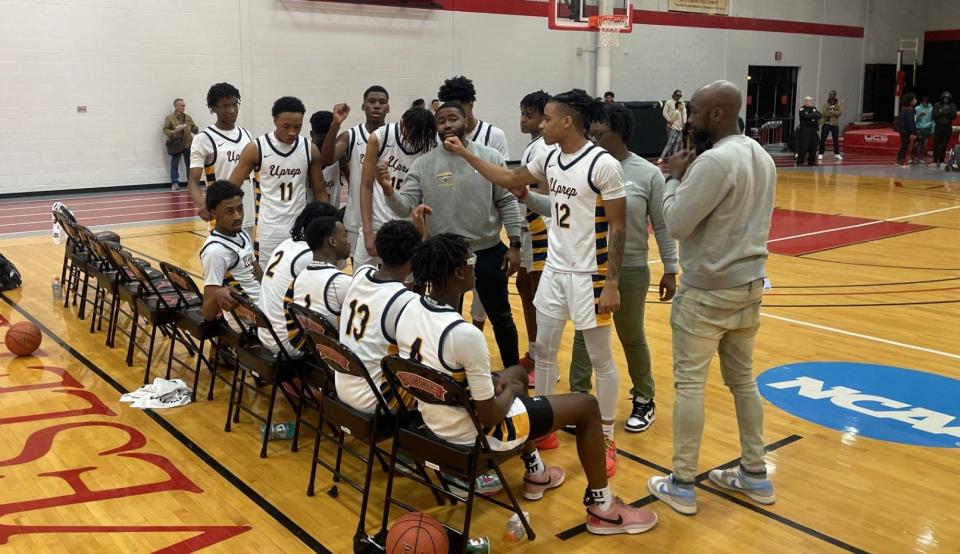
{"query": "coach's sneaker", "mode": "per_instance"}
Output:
(756, 488)
(641, 417)
(547, 442)
(611, 456)
(681, 498)
(619, 518)
(535, 485)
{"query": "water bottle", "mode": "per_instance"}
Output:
(57, 288)
(515, 531)
(479, 545)
(279, 431)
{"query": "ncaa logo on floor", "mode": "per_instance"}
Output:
(877, 401)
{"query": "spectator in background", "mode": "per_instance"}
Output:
(808, 133)
(906, 125)
(435, 105)
(675, 112)
(831, 112)
(179, 129)
(924, 130)
(419, 103)
(609, 96)
(944, 113)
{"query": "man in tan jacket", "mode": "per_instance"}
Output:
(831, 110)
(179, 129)
(675, 112)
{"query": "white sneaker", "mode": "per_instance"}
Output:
(838, 157)
(819, 156)
(659, 161)
(174, 187)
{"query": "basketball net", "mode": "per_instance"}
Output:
(609, 27)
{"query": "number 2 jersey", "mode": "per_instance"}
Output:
(368, 326)
(578, 184)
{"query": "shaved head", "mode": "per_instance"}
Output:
(714, 110)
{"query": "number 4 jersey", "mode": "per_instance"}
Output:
(368, 327)
(578, 184)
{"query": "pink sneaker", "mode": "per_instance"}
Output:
(620, 518)
(535, 486)
(611, 457)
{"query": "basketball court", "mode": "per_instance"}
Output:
(857, 360)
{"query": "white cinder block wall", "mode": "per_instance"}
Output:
(126, 60)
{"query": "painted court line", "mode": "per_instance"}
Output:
(845, 227)
(862, 336)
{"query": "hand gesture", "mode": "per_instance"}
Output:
(679, 163)
(453, 145)
(419, 217)
(383, 179)
(668, 286)
(340, 113)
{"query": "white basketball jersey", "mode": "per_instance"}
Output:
(331, 180)
(287, 261)
(398, 159)
(312, 289)
(492, 136)
(282, 180)
(577, 237)
(369, 312)
(356, 151)
(226, 147)
(238, 256)
(421, 332)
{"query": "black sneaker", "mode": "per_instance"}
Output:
(641, 417)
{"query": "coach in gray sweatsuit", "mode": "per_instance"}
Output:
(461, 201)
(719, 207)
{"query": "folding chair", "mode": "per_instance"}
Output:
(368, 428)
(316, 375)
(190, 319)
(416, 440)
(254, 357)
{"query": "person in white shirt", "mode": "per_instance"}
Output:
(229, 265)
(431, 331)
(288, 175)
(675, 112)
(215, 151)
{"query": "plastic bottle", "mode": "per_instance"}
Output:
(280, 431)
(515, 531)
(57, 288)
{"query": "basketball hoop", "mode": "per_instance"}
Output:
(609, 27)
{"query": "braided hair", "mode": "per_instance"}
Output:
(311, 211)
(535, 101)
(584, 109)
(435, 260)
(418, 128)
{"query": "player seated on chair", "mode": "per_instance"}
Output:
(289, 258)
(229, 264)
(432, 331)
(374, 301)
(321, 286)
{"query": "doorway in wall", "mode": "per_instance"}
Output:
(771, 96)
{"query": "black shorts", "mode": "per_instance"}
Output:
(540, 414)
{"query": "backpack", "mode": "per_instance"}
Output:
(9, 276)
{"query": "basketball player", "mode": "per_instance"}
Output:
(351, 146)
(319, 127)
(585, 248)
(287, 165)
(395, 146)
(289, 258)
(374, 301)
(431, 330)
(321, 286)
(533, 233)
(216, 150)
(229, 265)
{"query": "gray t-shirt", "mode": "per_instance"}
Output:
(720, 212)
(644, 184)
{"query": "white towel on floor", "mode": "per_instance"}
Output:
(162, 393)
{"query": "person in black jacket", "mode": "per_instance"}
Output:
(944, 112)
(809, 129)
(906, 125)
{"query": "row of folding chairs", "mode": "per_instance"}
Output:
(169, 301)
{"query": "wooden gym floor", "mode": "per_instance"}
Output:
(81, 472)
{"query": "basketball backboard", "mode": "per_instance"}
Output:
(574, 15)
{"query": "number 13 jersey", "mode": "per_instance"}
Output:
(578, 184)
